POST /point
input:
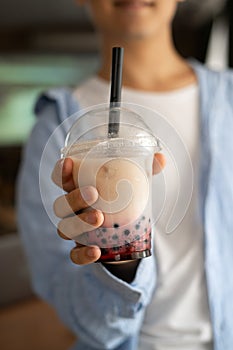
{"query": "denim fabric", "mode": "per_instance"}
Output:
(129, 344)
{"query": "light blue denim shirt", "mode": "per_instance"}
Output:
(104, 311)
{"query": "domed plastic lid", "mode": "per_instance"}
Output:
(92, 130)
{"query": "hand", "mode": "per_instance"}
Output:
(86, 218)
(71, 203)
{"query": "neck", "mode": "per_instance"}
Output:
(150, 64)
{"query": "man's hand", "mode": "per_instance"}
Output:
(74, 202)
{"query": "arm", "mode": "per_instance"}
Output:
(92, 302)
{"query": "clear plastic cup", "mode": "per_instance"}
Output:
(120, 168)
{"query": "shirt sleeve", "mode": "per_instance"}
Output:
(102, 310)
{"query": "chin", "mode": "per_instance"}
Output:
(136, 36)
(138, 27)
(135, 33)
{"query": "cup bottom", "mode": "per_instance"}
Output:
(131, 251)
(109, 257)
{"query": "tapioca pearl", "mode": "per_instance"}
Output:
(115, 236)
(104, 229)
(137, 237)
(126, 232)
(103, 241)
(137, 227)
(116, 225)
(99, 233)
(143, 217)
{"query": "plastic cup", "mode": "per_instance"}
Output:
(121, 170)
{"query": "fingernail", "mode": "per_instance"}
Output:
(91, 218)
(91, 252)
(87, 194)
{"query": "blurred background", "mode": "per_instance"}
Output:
(52, 43)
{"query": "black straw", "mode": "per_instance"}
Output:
(115, 95)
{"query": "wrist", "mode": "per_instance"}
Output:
(124, 270)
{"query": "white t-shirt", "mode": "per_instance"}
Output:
(178, 315)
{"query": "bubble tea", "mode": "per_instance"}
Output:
(120, 168)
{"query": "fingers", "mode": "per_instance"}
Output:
(73, 226)
(76, 200)
(158, 163)
(62, 174)
(70, 228)
(83, 255)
